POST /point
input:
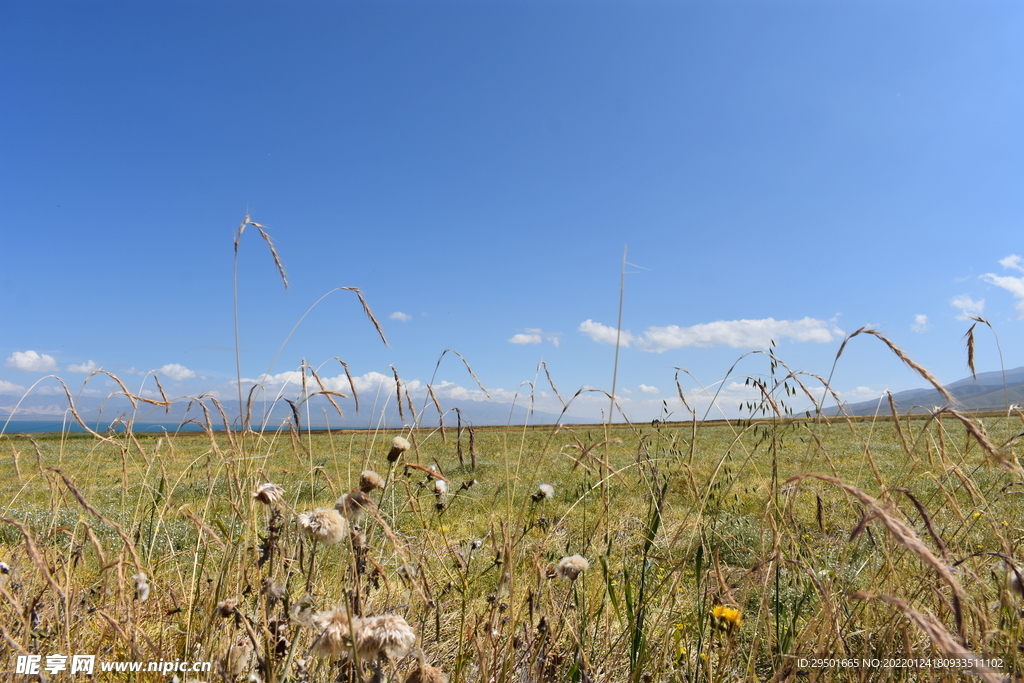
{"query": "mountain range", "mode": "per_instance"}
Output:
(989, 391)
(99, 413)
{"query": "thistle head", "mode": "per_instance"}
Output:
(324, 524)
(571, 567)
(269, 494)
(387, 636)
(543, 492)
(399, 445)
(370, 480)
(334, 632)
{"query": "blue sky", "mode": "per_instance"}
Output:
(478, 167)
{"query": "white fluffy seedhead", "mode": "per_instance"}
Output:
(571, 567)
(387, 636)
(141, 586)
(399, 445)
(324, 524)
(269, 494)
(370, 480)
(353, 504)
(334, 633)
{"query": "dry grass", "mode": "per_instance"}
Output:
(684, 552)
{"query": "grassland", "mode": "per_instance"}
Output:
(708, 561)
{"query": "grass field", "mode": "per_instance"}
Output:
(707, 560)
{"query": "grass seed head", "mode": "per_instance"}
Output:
(399, 445)
(571, 567)
(335, 633)
(324, 524)
(370, 480)
(387, 636)
(269, 494)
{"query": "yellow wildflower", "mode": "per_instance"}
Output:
(726, 618)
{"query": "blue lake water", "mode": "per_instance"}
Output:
(49, 426)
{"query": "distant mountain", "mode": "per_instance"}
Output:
(99, 413)
(990, 391)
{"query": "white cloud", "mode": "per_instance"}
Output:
(398, 315)
(534, 335)
(1012, 261)
(920, 323)
(1014, 285)
(84, 368)
(31, 361)
(10, 387)
(734, 333)
(604, 334)
(968, 306)
(859, 394)
(530, 338)
(648, 390)
(176, 372)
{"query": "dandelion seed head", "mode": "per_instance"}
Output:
(324, 524)
(269, 494)
(440, 487)
(571, 567)
(387, 636)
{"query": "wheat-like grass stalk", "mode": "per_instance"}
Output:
(904, 535)
(940, 637)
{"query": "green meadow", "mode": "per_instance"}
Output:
(755, 550)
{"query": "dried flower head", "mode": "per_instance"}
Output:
(141, 587)
(324, 524)
(226, 608)
(273, 590)
(543, 492)
(726, 618)
(353, 504)
(334, 637)
(1013, 578)
(236, 659)
(440, 487)
(399, 445)
(370, 480)
(571, 567)
(269, 494)
(386, 636)
(302, 611)
(424, 673)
